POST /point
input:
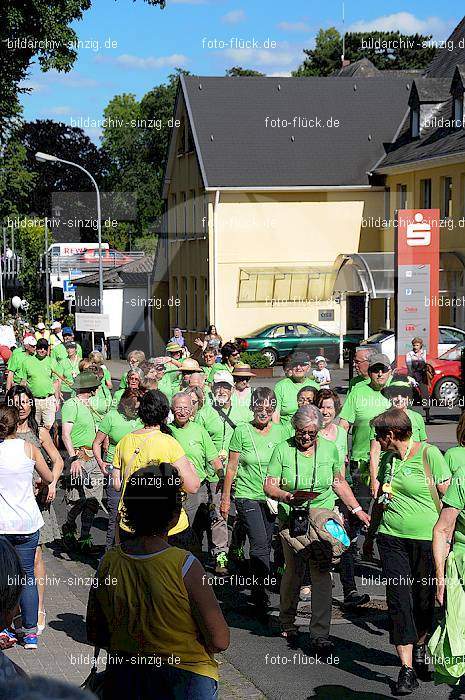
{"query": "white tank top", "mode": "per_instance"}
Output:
(19, 512)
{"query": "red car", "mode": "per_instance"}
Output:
(446, 375)
(110, 258)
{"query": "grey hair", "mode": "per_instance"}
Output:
(135, 370)
(42, 688)
(11, 580)
(305, 415)
(181, 395)
(370, 350)
(198, 392)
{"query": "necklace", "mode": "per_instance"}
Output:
(387, 486)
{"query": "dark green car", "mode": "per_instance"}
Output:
(279, 340)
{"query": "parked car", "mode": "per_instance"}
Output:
(277, 341)
(446, 375)
(385, 339)
(110, 258)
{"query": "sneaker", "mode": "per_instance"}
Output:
(30, 641)
(322, 647)
(221, 567)
(85, 545)
(420, 663)
(237, 554)
(8, 636)
(355, 599)
(68, 533)
(407, 681)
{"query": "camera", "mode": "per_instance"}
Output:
(298, 522)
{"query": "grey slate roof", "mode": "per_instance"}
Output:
(443, 64)
(361, 68)
(237, 149)
(432, 90)
(132, 274)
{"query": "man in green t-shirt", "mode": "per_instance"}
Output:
(365, 402)
(58, 351)
(296, 366)
(78, 432)
(38, 372)
(202, 507)
(361, 363)
(17, 358)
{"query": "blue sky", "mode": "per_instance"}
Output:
(145, 44)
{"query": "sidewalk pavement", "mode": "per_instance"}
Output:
(63, 652)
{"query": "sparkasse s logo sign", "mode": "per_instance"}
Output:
(419, 232)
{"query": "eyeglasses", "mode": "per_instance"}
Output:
(194, 402)
(234, 354)
(377, 369)
(302, 365)
(309, 433)
(360, 362)
(264, 409)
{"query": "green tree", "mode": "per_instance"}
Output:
(30, 243)
(16, 181)
(238, 71)
(36, 29)
(411, 54)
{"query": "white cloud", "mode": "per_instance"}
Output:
(150, 62)
(293, 27)
(59, 110)
(233, 17)
(33, 86)
(72, 79)
(280, 74)
(406, 23)
(261, 57)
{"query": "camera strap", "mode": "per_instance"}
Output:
(312, 484)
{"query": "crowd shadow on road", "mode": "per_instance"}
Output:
(329, 692)
(72, 624)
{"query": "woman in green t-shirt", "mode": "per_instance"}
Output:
(412, 477)
(305, 471)
(455, 456)
(115, 425)
(250, 450)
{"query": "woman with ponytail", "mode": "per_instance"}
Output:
(20, 517)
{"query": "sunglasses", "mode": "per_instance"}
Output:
(309, 433)
(264, 409)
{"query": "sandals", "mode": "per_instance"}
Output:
(40, 628)
(290, 635)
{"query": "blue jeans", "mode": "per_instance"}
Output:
(138, 681)
(25, 546)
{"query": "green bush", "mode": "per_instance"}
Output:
(255, 359)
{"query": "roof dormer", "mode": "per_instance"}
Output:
(457, 91)
(426, 97)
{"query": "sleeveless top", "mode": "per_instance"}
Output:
(19, 512)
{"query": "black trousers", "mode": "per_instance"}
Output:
(259, 525)
(408, 566)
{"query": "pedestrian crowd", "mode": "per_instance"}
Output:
(186, 452)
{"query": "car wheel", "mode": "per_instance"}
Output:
(271, 355)
(447, 390)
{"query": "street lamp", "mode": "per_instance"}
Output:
(46, 157)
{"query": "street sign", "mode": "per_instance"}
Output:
(68, 286)
(98, 323)
(69, 296)
(76, 273)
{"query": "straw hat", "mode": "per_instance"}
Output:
(173, 347)
(242, 370)
(190, 365)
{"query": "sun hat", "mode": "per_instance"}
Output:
(30, 340)
(398, 388)
(55, 325)
(379, 358)
(86, 380)
(223, 377)
(41, 326)
(173, 347)
(243, 370)
(190, 365)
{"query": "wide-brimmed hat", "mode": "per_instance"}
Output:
(379, 358)
(30, 340)
(243, 370)
(398, 388)
(86, 380)
(223, 377)
(173, 347)
(55, 325)
(190, 365)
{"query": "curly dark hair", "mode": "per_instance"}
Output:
(153, 408)
(152, 499)
(324, 394)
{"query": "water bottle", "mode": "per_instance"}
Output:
(337, 531)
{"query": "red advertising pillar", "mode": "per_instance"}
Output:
(416, 287)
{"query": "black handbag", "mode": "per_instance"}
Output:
(96, 679)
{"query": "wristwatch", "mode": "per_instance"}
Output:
(73, 459)
(220, 473)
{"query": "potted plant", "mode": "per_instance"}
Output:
(258, 362)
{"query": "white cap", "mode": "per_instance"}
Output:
(223, 377)
(55, 324)
(320, 358)
(30, 340)
(41, 326)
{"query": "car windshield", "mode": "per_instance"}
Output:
(377, 337)
(262, 331)
(454, 353)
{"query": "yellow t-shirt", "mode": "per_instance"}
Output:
(153, 447)
(147, 608)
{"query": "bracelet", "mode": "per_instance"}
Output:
(356, 510)
(448, 541)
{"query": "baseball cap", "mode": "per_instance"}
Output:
(223, 377)
(41, 326)
(30, 340)
(379, 358)
(67, 331)
(398, 388)
(55, 325)
(298, 358)
(320, 358)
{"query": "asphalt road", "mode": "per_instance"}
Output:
(364, 664)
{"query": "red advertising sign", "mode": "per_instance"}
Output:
(417, 280)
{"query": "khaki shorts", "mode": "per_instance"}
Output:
(90, 486)
(45, 411)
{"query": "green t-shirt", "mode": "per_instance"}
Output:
(124, 381)
(116, 426)
(210, 371)
(363, 404)
(283, 464)
(38, 375)
(356, 381)
(411, 514)
(197, 445)
(219, 429)
(69, 370)
(455, 497)
(286, 396)
(241, 401)
(84, 427)
(102, 402)
(59, 352)
(255, 449)
(418, 427)
(341, 445)
(455, 458)
(166, 387)
(16, 362)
